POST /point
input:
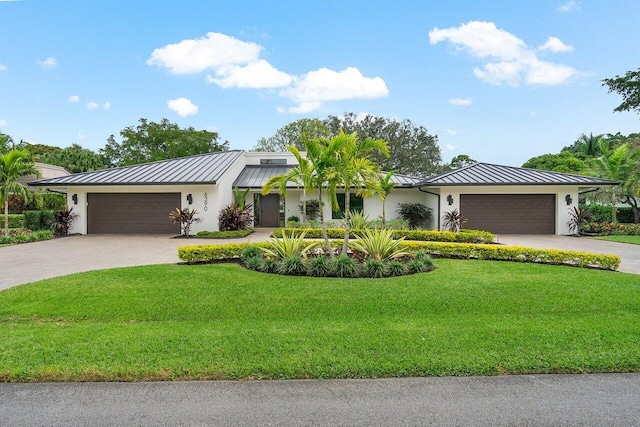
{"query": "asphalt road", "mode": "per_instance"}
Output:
(527, 400)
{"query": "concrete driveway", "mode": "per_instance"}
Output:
(630, 254)
(29, 262)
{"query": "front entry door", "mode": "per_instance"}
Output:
(270, 210)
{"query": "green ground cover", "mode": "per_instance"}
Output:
(224, 322)
(635, 240)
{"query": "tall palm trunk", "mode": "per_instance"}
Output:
(323, 226)
(6, 217)
(304, 204)
(347, 226)
(384, 217)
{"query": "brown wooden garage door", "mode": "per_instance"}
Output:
(146, 213)
(510, 213)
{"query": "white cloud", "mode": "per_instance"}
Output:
(49, 63)
(569, 6)
(554, 44)
(316, 87)
(106, 105)
(507, 58)
(3, 123)
(183, 107)
(82, 136)
(3, 68)
(460, 101)
(255, 75)
(74, 98)
(450, 147)
(92, 105)
(207, 53)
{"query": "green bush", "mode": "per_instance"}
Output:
(25, 236)
(38, 220)
(417, 214)
(15, 220)
(464, 236)
(610, 229)
(224, 234)
(602, 213)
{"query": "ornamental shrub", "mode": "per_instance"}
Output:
(417, 214)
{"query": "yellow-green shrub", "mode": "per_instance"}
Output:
(466, 236)
(231, 251)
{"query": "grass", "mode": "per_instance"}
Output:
(221, 321)
(634, 240)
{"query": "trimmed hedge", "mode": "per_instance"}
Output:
(224, 234)
(15, 221)
(517, 254)
(38, 220)
(602, 213)
(232, 251)
(464, 236)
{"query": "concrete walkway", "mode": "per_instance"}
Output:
(630, 254)
(26, 263)
(520, 400)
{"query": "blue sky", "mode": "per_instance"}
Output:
(501, 81)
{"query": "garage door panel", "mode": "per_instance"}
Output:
(510, 213)
(145, 213)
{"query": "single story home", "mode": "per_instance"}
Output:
(138, 198)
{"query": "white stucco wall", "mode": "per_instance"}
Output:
(562, 209)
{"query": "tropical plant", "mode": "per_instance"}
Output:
(232, 218)
(63, 219)
(240, 197)
(383, 189)
(288, 246)
(616, 165)
(379, 245)
(344, 266)
(358, 220)
(417, 214)
(374, 268)
(453, 221)
(319, 267)
(310, 209)
(293, 266)
(356, 168)
(14, 164)
(395, 268)
(186, 218)
(578, 219)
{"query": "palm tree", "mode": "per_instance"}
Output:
(356, 169)
(383, 189)
(615, 165)
(13, 165)
(302, 175)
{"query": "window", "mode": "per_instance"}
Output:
(356, 203)
(273, 161)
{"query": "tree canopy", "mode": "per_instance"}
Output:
(413, 151)
(629, 87)
(150, 141)
(564, 162)
(74, 159)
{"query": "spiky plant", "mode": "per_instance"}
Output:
(374, 268)
(186, 218)
(378, 244)
(233, 217)
(287, 246)
(358, 220)
(453, 221)
(344, 266)
(319, 267)
(63, 219)
(578, 219)
(395, 268)
(293, 266)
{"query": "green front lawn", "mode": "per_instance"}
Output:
(635, 240)
(224, 322)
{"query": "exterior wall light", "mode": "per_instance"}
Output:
(568, 199)
(75, 199)
(450, 199)
(189, 198)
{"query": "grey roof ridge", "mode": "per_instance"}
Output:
(426, 181)
(155, 162)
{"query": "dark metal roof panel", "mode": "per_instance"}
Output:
(255, 176)
(199, 169)
(490, 174)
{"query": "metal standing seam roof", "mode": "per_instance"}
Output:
(490, 174)
(198, 169)
(255, 176)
